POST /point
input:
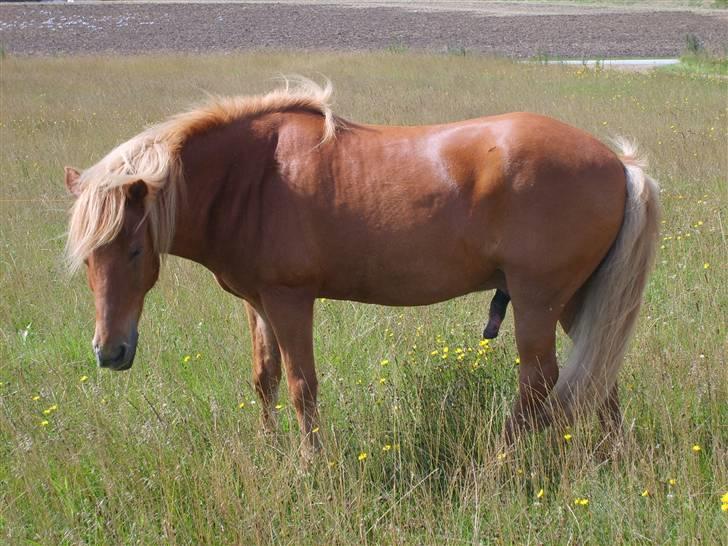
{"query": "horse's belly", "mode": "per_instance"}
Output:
(409, 280)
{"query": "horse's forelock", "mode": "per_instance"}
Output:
(97, 216)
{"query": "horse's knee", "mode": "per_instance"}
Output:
(302, 388)
(266, 377)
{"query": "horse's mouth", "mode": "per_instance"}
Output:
(122, 367)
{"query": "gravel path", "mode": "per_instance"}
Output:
(61, 29)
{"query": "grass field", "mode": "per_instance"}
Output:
(170, 452)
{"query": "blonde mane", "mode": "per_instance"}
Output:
(153, 156)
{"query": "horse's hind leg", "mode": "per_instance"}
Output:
(538, 372)
(497, 313)
(266, 364)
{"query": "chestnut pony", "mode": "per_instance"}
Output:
(285, 202)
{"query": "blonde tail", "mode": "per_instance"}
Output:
(612, 297)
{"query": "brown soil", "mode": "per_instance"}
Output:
(63, 29)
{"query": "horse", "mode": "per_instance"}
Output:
(285, 202)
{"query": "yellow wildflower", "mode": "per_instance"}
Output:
(84, 378)
(186, 359)
(315, 430)
(50, 409)
(724, 498)
(706, 265)
(44, 423)
(696, 448)
(645, 493)
(540, 494)
(386, 447)
(568, 437)
(241, 405)
(581, 502)
(35, 398)
(384, 362)
(671, 481)
(382, 380)
(279, 406)
(724, 507)
(362, 456)
(518, 360)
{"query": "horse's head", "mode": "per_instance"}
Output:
(120, 271)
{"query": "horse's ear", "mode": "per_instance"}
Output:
(72, 178)
(136, 191)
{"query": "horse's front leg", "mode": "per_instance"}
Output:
(266, 364)
(290, 313)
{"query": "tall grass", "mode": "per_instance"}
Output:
(699, 61)
(170, 452)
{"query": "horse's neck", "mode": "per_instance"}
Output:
(222, 169)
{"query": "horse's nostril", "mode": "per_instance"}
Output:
(109, 359)
(120, 355)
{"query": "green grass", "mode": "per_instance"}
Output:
(164, 453)
(701, 65)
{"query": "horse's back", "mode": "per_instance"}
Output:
(410, 215)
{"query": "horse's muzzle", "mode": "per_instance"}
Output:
(117, 357)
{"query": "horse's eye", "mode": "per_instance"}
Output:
(135, 253)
